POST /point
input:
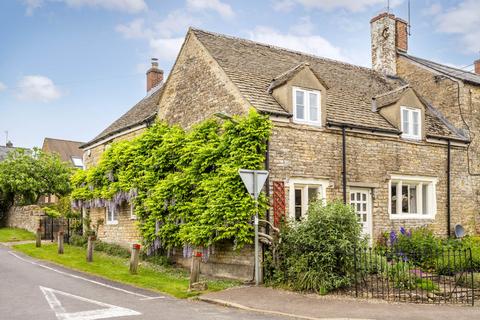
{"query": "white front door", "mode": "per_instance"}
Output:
(361, 200)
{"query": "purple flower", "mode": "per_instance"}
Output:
(402, 230)
(393, 237)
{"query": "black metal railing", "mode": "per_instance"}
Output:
(51, 226)
(421, 276)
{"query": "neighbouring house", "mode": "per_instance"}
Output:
(120, 225)
(8, 147)
(69, 152)
(392, 140)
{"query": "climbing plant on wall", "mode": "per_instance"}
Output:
(184, 184)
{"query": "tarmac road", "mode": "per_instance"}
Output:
(36, 290)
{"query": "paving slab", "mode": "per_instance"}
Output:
(312, 307)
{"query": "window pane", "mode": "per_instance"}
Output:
(313, 106)
(393, 198)
(425, 198)
(312, 194)
(404, 199)
(300, 104)
(413, 199)
(298, 204)
(405, 122)
(415, 123)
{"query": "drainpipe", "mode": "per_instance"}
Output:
(344, 165)
(448, 188)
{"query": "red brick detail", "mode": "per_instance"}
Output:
(401, 39)
(477, 66)
(279, 202)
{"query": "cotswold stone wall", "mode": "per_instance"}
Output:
(460, 103)
(197, 88)
(298, 151)
(124, 233)
(223, 261)
(24, 217)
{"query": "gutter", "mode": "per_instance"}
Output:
(344, 159)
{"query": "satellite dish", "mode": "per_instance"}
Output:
(459, 231)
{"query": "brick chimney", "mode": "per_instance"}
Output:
(154, 75)
(388, 34)
(477, 66)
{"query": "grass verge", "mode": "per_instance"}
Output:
(164, 279)
(15, 234)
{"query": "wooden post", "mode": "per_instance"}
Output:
(90, 246)
(134, 258)
(60, 242)
(38, 242)
(195, 270)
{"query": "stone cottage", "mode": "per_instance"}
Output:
(120, 225)
(379, 138)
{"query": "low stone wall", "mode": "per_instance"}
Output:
(24, 217)
(223, 261)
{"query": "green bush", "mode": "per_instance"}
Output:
(108, 248)
(112, 249)
(316, 254)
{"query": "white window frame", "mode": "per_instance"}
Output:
(80, 164)
(306, 106)
(132, 211)
(418, 181)
(305, 184)
(410, 134)
(109, 221)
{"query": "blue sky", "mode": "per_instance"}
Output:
(68, 68)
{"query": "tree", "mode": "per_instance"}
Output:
(24, 177)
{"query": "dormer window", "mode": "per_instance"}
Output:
(306, 106)
(411, 123)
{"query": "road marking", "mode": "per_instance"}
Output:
(109, 310)
(86, 279)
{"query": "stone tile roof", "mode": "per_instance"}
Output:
(144, 111)
(4, 151)
(389, 97)
(253, 66)
(449, 71)
(64, 148)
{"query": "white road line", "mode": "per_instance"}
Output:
(85, 279)
(108, 310)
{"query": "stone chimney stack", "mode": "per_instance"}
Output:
(154, 75)
(477, 66)
(388, 34)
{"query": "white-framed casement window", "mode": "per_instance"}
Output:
(111, 215)
(411, 123)
(412, 197)
(301, 193)
(306, 106)
(133, 216)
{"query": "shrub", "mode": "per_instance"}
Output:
(316, 254)
(108, 248)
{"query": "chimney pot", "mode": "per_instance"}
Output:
(154, 75)
(9, 144)
(477, 66)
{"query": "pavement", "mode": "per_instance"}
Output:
(312, 307)
(32, 289)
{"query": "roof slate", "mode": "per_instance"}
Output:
(449, 71)
(253, 67)
(144, 111)
(64, 148)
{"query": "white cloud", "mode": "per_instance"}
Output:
(308, 43)
(223, 9)
(37, 88)
(129, 6)
(134, 30)
(2, 87)
(464, 20)
(165, 49)
(32, 5)
(176, 22)
(350, 5)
